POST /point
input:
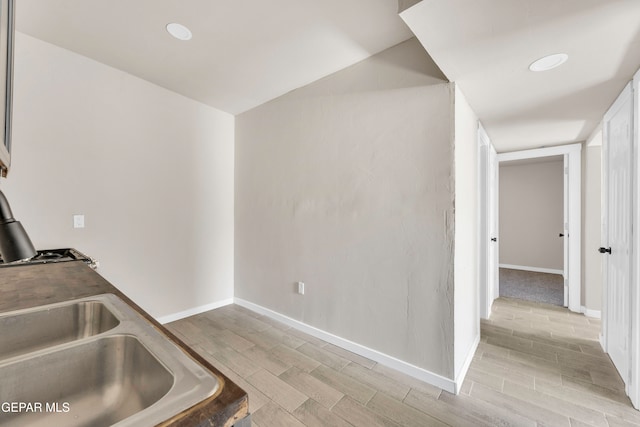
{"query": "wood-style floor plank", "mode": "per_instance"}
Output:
(310, 386)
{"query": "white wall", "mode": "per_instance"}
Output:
(466, 270)
(591, 225)
(347, 184)
(531, 214)
(151, 170)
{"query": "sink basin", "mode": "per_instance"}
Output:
(107, 366)
(38, 328)
(102, 381)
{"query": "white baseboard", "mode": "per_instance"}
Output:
(467, 363)
(193, 311)
(535, 269)
(596, 314)
(384, 359)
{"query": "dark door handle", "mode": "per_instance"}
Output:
(494, 239)
(604, 250)
(560, 235)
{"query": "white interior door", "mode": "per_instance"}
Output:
(488, 168)
(483, 238)
(634, 348)
(617, 132)
(493, 276)
(565, 231)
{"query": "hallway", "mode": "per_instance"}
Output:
(545, 364)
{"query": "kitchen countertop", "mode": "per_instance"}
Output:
(27, 286)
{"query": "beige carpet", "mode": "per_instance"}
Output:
(532, 286)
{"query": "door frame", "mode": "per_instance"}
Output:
(573, 229)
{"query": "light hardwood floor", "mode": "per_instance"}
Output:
(536, 365)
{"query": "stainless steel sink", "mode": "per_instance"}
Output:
(33, 329)
(120, 371)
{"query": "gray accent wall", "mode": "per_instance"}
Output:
(406, 4)
(347, 184)
(531, 214)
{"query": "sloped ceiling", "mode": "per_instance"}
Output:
(486, 46)
(243, 52)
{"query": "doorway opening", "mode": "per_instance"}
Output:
(490, 230)
(532, 236)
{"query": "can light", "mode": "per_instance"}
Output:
(549, 62)
(179, 31)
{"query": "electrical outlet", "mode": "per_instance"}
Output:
(301, 288)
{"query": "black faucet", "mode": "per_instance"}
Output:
(15, 244)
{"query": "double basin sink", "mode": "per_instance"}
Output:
(93, 362)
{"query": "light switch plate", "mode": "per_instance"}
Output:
(78, 221)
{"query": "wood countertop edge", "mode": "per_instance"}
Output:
(29, 286)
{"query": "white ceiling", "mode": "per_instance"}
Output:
(243, 52)
(486, 46)
(247, 52)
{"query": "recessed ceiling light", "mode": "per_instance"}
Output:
(179, 31)
(549, 62)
